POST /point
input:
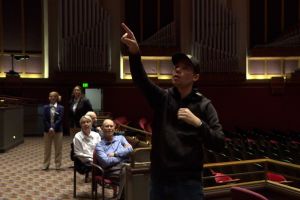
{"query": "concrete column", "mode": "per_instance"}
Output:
(53, 18)
(240, 9)
(184, 16)
(115, 9)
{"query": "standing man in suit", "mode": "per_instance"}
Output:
(52, 117)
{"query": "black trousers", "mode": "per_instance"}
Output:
(82, 168)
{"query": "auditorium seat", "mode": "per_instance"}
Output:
(255, 144)
(221, 178)
(100, 177)
(145, 124)
(209, 156)
(140, 156)
(276, 177)
(119, 121)
(239, 193)
(237, 153)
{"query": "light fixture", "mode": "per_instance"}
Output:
(21, 57)
(12, 72)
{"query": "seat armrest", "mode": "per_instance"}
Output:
(140, 157)
(98, 167)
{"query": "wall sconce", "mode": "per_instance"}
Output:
(12, 72)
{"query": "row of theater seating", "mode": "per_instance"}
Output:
(240, 144)
(245, 145)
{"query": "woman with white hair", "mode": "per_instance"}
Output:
(84, 144)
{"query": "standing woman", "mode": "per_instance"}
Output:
(79, 106)
(52, 117)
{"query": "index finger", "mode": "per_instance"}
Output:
(126, 29)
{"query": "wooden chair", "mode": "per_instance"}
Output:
(77, 162)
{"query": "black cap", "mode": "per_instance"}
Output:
(177, 57)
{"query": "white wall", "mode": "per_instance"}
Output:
(95, 97)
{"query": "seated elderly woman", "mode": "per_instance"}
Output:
(84, 145)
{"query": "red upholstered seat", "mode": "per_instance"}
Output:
(276, 177)
(99, 178)
(145, 124)
(222, 178)
(119, 121)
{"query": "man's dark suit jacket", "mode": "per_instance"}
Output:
(84, 105)
(59, 112)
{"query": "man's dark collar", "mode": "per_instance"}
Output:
(193, 94)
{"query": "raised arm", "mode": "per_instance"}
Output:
(151, 91)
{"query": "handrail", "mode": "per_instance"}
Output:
(262, 182)
(289, 188)
(9, 98)
(135, 129)
(254, 161)
(283, 163)
(232, 163)
(243, 162)
(145, 161)
(16, 100)
(220, 187)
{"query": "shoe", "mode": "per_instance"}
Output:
(58, 166)
(45, 168)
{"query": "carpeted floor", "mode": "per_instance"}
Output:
(21, 176)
